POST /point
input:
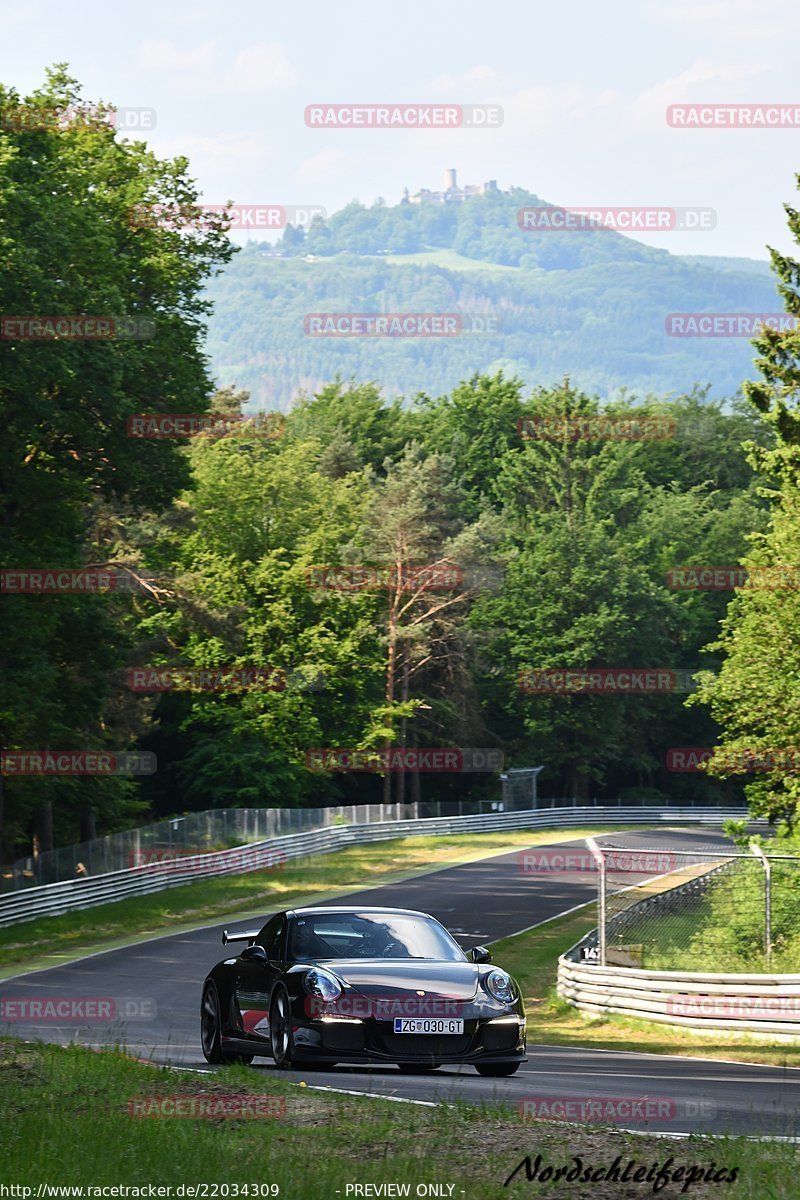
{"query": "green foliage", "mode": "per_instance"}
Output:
(67, 246)
(756, 695)
(564, 544)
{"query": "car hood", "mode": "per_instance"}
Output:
(453, 980)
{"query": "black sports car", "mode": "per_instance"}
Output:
(320, 986)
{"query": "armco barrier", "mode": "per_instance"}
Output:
(766, 1006)
(55, 898)
(769, 1005)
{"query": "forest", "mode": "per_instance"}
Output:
(370, 571)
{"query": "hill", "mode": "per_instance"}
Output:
(591, 304)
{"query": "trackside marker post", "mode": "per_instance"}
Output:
(599, 858)
(767, 865)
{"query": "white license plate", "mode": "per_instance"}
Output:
(427, 1025)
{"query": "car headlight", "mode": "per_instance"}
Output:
(500, 986)
(322, 984)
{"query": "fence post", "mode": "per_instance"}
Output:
(599, 858)
(767, 865)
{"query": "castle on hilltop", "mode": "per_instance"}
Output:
(452, 194)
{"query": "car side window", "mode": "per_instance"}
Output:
(266, 934)
(272, 938)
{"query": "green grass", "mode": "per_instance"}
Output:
(447, 259)
(53, 940)
(66, 1121)
(669, 942)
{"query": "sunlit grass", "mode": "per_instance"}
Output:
(66, 1120)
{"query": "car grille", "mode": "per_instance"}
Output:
(403, 1044)
(500, 1036)
(343, 1037)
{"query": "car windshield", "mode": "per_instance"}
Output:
(370, 935)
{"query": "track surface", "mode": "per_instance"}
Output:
(479, 902)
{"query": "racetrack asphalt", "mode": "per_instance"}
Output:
(158, 983)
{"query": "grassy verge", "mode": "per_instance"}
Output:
(532, 958)
(448, 259)
(66, 1122)
(53, 940)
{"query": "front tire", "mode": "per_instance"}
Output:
(211, 1031)
(280, 1029)
(497, 1070)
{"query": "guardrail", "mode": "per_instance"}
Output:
(74, 894)
(764, 1006)
(761, 1005)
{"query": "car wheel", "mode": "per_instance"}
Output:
(211, 1031)
(418, 1068)
(280, 1029)
(497, 1069)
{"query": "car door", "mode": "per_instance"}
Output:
(256, 978)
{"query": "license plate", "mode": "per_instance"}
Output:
(427, 1025)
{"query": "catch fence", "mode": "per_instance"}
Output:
(703, 909)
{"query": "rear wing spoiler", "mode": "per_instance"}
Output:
(249, 935)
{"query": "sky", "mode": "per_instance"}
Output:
(584, 90)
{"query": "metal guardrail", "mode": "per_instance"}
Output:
(74, 894)
(221, 828)
(760, 1005)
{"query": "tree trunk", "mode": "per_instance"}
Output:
(44, 826)
(391, 667)
(88, 828)
(415, 785)
(401, 780)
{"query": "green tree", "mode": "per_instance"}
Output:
(755, 695)
(69, 246)
(242, 547)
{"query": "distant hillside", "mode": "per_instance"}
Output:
(591, 304)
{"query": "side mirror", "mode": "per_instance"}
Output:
(254, 954)
(479, 954)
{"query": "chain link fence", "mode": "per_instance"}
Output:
(699, 910)
(219, 829)
(520, 791)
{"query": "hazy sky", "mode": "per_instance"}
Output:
(584, 89)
